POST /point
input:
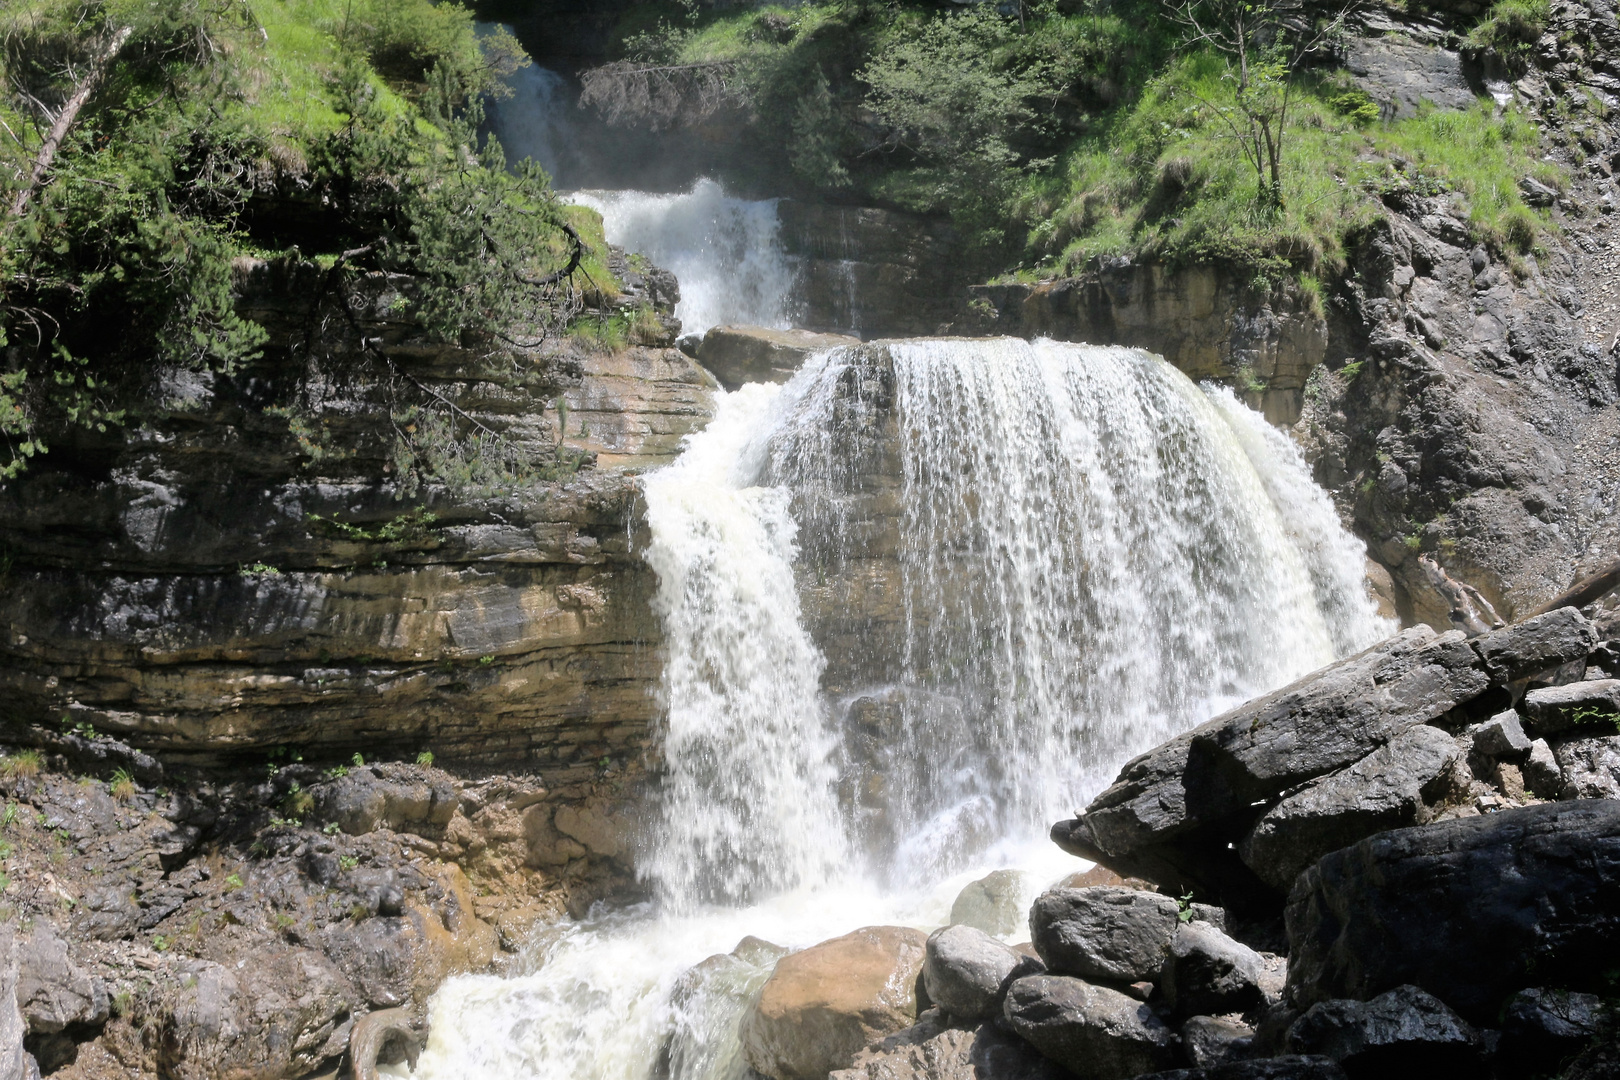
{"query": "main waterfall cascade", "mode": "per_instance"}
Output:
(1033, 559)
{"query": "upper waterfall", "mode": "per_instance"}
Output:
(724, 250)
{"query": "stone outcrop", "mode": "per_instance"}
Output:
(824, 1004)
(207, 930)
(1093, 1031)
(1239, 806)
(1204, 321)
(743, 354)
(1470, 910)
(246, 568)
(872, 272)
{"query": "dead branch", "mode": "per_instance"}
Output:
(659, 96)
(64, 119)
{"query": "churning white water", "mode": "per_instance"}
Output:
(918, 603)
(724, 250)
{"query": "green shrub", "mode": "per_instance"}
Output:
(1511, 29)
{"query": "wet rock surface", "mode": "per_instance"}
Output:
(745, 354)
(824, 1004)
(1095, 1032)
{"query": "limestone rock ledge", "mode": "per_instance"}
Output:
(242, 569)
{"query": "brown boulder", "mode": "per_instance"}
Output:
(743, 354)
(823, 1005)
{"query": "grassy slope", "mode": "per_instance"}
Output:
(1127, 159)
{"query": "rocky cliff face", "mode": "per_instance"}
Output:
(1199, 318)
(211, 585)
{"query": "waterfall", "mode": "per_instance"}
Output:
(538, 121)
(746, 734)
(725, 251)
(917, 603)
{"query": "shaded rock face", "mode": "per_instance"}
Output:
(214, 582)
(1206, 973)
(1404, 1030)
(1410, 731)
(1287, 1067)
(1463, 909)
(874, 273)
(743, 354)
(822, 1005)
(1203, 321)
(1094, 1032)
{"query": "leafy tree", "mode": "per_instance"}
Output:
(953, 94)
(1263, 45)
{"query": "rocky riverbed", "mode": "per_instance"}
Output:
(1402, 865)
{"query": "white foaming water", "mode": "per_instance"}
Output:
(537, 120)
(1092, 554)
(746, 734)
(724, 251)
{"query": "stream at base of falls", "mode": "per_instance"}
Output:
(1079, 553)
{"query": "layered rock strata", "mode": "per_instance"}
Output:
(247, 568)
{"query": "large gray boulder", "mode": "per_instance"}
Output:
(1549, 648)
(1391, 787)
(966, 972)
(1094, 1032)
(1593, 703)
(1471, 910)
(1172, 811)
(994, 903)
(1103, 932)
(1207, 973)
(1400, 1029)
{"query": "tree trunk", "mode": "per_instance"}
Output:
(64, 119)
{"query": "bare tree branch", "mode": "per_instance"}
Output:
(64, 119)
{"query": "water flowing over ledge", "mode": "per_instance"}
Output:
(918, 603)
(724, 250)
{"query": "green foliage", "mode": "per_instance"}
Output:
(122, 266)
(410, 526)
(1511, 29)
(425, 758)
(950, 95)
